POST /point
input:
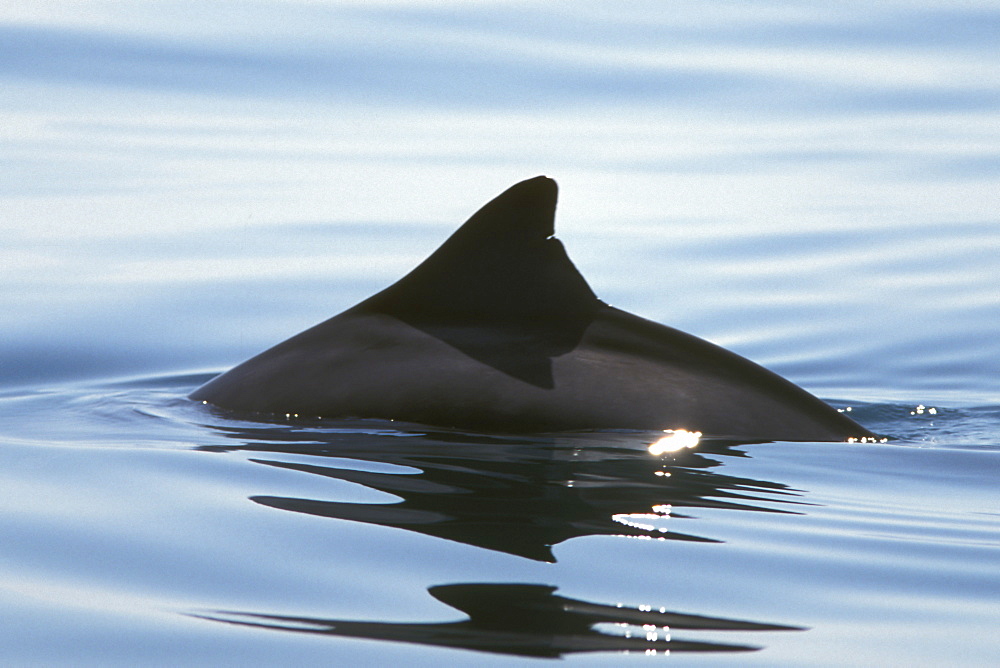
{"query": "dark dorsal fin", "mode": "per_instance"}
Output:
(502, 264)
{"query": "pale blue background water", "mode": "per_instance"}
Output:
(183, 185)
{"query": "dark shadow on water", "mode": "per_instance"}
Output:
(517, 495)
(524, 620)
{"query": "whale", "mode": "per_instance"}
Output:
(497, 331)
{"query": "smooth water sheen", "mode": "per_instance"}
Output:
(814, 188)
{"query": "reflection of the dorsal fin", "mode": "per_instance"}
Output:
(523, 620)
(538, 607)
(530, 542)
(384, 482)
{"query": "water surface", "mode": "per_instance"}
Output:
(812, 188)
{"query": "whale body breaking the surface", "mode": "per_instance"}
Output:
(498, 331)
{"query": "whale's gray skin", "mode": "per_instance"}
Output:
(498, 331)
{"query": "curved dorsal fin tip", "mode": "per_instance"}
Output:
(527, 210)
(547, 183)
(540, 185)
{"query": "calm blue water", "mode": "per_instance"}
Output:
(181, 188)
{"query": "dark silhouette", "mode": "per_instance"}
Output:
(497, 331)
(513, 494)
(524, 620)
(518, 495)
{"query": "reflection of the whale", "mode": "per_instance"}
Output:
(525, 620)
(519, 495)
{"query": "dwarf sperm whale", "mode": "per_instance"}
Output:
(498, 331)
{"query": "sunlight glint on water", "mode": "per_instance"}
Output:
(811, 187)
